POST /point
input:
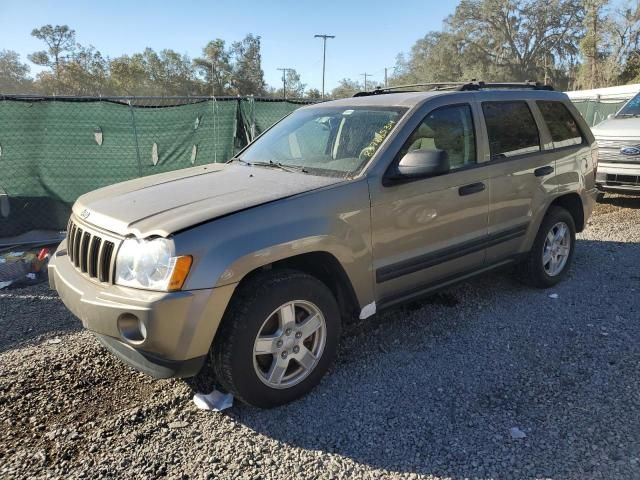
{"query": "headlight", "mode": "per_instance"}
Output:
(151, 264)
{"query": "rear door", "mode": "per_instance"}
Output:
(521, 173)
(571, 149)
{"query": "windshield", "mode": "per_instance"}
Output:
(631, 108)
(326, 140)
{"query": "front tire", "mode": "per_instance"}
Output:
(277, 339)
(550, 257)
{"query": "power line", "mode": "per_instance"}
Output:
(285, 70)
(324, 54)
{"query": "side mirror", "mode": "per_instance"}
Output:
(610, 116)
(423, 163)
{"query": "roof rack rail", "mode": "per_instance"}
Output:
(432, 85)
(473, 85)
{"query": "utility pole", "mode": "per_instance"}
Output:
(365, 75)
(386, 84)
(324, 54)
(284, 70)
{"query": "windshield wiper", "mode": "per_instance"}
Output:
(271, 164)
(238, 159)
(281, 166)
(628, 115)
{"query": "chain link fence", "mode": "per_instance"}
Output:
(54, 149)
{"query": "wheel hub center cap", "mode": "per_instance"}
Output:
(289, 343)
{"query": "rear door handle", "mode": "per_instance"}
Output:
(543, 171)
(471, 189)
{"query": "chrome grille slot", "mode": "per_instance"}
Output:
(71, 231)
(94, 248)
(77, 239)
(92, 253)
(84, 251)
(106, 256)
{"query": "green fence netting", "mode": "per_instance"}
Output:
(54, 150)
(595, 111)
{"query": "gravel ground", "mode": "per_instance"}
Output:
(438, 389)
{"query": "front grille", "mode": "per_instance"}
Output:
(90, 252)
(609, 151)
(620, 180)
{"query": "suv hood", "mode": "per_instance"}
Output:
(626, 127)
(165, 203)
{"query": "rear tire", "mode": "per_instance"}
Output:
(277, 339)
(549, 261)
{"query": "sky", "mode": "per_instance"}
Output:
(369, 33)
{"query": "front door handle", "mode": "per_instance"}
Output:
(471, 189)
(543, 171)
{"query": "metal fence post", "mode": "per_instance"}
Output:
(252, 102)
(135, 136)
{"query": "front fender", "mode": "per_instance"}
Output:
(335, 220)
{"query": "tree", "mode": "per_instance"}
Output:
(215, 67)
(86, 72)
(129, 75)
(313, 94)
(60, 40)
(173, 72)
(621, 47)
(295, 87)
(14, 75)
(346, 88)
(151, 73)
(493, 40)
(514, 38)
(436, 57)
(591, 42)
(248, 76)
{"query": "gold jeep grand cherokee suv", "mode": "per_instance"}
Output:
(342, 209)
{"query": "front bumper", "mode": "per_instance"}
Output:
(178, 327)
(619, 177)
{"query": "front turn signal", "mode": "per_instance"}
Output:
(180, 272)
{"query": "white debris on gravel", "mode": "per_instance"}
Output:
(516, 433)
(216, 401)
(451, 379)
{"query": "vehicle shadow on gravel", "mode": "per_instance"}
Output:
(495, 381)
(32, 314)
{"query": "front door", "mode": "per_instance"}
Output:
(427, 230)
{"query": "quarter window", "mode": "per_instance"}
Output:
(511, 128)
(449, 129)
(562, 126)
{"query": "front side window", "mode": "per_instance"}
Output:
(449, 129)
(511, 128)
(326, 140)
(562, 126)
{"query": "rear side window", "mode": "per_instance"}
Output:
(511, 128)
(562, 126)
